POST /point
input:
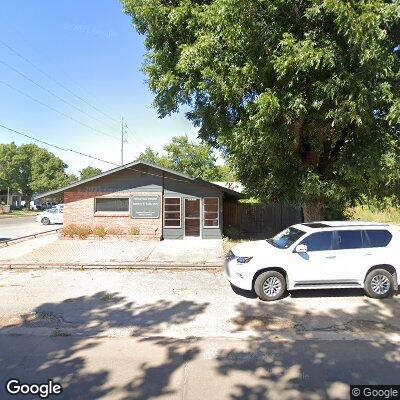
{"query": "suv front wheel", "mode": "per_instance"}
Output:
(270, 285)
(379, 284)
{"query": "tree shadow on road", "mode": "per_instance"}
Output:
(296, 353)
(59, 336)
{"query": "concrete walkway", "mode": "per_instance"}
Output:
(53, 252)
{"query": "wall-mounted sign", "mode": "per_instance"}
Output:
(146, 206)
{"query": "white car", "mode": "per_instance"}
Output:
(53, 215)
(319, 255)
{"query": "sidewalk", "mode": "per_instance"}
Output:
(51, 252)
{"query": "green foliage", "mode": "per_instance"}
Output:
(69, 230)
(191, 158)
(134, 230)
(89, 172)
(375, 213)
(302, 96)
(31, 169)
(99, 231)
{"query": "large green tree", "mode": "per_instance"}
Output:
(89, 172)
(303, 96)
(31, 169)
(195, 159)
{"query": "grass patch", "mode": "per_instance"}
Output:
(373, 213)
(19, 213)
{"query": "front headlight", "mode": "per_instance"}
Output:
(243, 260)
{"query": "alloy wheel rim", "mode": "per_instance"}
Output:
(272, 286)
(380, 284)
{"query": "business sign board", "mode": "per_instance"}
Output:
(146, 206)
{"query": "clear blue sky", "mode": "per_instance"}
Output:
(91, 48)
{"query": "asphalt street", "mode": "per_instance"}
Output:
(189, 335)
(13, 228)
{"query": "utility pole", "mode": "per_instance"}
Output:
(122, 140)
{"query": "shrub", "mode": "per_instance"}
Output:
(69, 230)
(114, 231)
(134, 230)
(100, 231)
(234, 232)
(84, 231)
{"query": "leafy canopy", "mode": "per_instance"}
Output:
(31, 169)
(89, 172)
(303, 96)
(195, 159)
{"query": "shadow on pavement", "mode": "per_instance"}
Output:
(256, 368)
(60, 356)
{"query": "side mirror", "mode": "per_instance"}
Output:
(301, 248)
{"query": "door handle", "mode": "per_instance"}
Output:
(330, 257)
(368, 254)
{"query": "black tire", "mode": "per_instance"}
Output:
(279, 283)
(45, 221)
(379, 284)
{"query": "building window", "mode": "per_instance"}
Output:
(112, 204)
(172, 212)
(211, 212)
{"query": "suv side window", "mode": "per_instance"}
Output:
(377, 238)
(318, 241)
(350, 239)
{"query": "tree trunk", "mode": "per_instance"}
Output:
(314, 211)
(28, 199)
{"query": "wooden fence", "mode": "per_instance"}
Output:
(260, 219)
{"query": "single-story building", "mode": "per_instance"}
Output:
(149, 199)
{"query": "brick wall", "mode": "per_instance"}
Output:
(79, 210)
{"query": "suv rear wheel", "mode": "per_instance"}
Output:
(270, 285)
(379, 284)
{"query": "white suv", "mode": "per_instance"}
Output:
(317, 255)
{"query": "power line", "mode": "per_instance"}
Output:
(51, 92)
(55, 146)
(56, 81)
(87, 155)
(57, 111)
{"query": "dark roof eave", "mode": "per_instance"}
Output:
(129, 166)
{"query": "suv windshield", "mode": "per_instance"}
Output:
(286, 238)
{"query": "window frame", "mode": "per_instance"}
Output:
(180, 212)
(113, 212)
(203, 213)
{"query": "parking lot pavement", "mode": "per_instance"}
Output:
(188, 335)
(201, 303)
(13, 228)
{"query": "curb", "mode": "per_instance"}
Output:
(118, 266)
(17, 216)
(28, 237)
